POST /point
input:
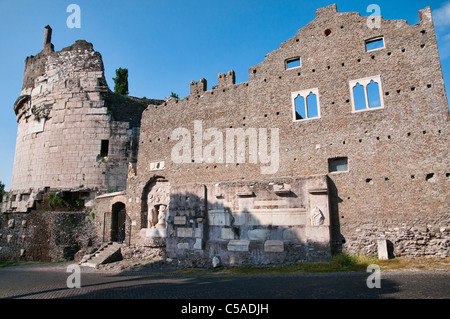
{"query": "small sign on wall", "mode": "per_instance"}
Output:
(156, 166)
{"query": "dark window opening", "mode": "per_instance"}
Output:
(338, 164)
(104, 149)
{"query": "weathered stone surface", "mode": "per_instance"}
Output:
(257, 234)
(274, 246)
(382, 249)
(219, 218)
(183, 245)
(198, 244)
(184, 232)
(227, 233)
(216, 262)
(179, 220)
(238, 245)
(149, 232)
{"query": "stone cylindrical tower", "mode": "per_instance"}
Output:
(64, 127)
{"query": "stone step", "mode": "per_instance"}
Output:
(107, 253)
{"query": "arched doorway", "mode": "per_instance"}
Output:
(118, 222)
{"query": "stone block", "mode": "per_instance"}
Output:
(150, 232)
(216, 262)
(240, 218)
(318, 234)
(382, 249)
(198, 232)
(227, 233)
(275, 246)
(183, 245)
(198, 245)
(179, 220)
(219, 218)
(294, 234)
(257, 234)
(184, 232)
(238, 245)
(271, 217)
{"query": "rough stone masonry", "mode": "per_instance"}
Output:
(361, 120)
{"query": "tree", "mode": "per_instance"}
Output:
(174, 95)
(2, 191)
(121, 81)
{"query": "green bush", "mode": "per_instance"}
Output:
(54, 200)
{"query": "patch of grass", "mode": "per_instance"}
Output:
(4, 264)
(338, 263)
(11, 263)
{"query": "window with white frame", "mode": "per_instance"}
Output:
(305, 104)
(366, 94)
(292, 63)
(374, 44)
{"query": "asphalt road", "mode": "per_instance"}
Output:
(50, 281)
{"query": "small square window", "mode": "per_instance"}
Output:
(339, 164)
(374, 44)
(293, 63)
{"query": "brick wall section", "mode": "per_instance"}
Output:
(391, 152)
(46, 236)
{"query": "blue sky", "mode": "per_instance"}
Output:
(166, 44)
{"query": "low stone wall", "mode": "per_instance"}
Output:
(402, 241)
(46, 236)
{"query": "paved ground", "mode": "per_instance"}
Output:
(49, 281)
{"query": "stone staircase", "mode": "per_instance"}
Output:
(107, 253)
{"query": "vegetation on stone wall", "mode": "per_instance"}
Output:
(54, 200)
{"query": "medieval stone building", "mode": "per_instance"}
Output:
(338, 138)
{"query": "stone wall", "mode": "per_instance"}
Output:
(404, 241)
(62, 123)
(237, 223)
(47, 236)
(396, 155)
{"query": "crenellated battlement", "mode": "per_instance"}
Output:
(227, 79)
(198, 87)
